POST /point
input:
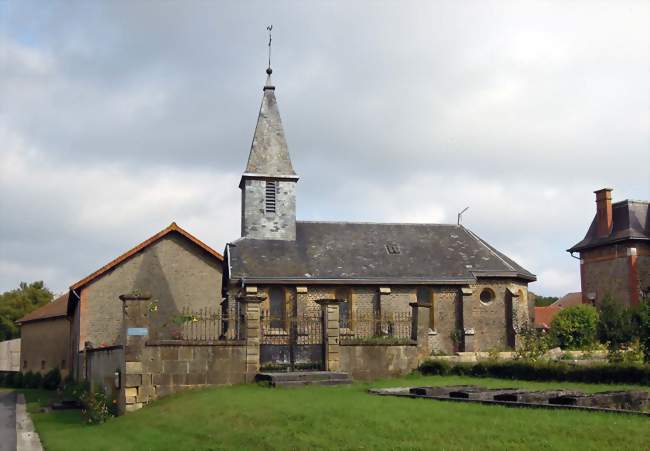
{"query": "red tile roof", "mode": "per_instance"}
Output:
(544, 316)
(568, 300)
(56, 309)
(173, 227)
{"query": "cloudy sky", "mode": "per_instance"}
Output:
(117, 118)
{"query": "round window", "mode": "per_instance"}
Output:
(487, 296)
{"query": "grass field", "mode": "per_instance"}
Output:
(346, 417)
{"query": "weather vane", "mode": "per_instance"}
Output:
(269, 29)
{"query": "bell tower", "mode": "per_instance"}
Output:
(268, 185)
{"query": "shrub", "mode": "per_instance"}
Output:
(9, 379)
(644, 328)
(544, 371)
(2, 379)
(18, 381)
(575, 327)
(97, 407)
(533, 344)
(617, 326)
(52, 379)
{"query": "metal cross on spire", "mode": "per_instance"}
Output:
(269, 29)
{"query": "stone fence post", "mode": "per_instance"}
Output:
(420, 328)
(135, 387)
(331, 333)
(253, 329)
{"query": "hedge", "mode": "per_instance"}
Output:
(543, 371)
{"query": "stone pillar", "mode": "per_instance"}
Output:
(512, 296)
(250, 307)
(469, 344)
(136, 386)
(420, 328)
(331, 333)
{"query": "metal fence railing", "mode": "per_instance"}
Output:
(207, 324)
(373, 328)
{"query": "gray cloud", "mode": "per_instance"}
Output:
(118, 117)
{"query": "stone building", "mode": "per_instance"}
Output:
(175, 269)
(615, 252)
(477, 296)
(45, 335)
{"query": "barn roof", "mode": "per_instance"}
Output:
(56, 309)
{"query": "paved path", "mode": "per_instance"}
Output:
(7, 421)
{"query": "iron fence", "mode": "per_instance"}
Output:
(304, 329)
(207, 324)
(373, 328)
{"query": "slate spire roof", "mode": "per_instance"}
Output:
(269, 155)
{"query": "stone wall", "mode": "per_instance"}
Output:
(10, 355)
(166, 368)
(256, 223)
(177, 274)
(607, 277)
(377, 362)
(44, 345)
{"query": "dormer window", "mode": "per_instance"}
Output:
(269, 200)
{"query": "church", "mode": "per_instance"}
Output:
(477, 297)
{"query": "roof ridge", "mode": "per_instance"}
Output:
(379, 223)
(173, 227)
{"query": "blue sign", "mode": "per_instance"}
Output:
(137, 331)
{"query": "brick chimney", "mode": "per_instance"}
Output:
(603, 211)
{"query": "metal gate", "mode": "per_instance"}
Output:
(292, 343)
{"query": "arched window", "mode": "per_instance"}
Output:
(277, 307)
(344, 294)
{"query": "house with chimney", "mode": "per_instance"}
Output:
(615, 253)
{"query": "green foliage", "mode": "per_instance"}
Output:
(617, 326)
(544, 301)
(17, 303)
(18, 381)
(575, 327)
(644, 328)
(543, 371)
(97, 407)
(52, 379)
(32, 380)
(533, 344)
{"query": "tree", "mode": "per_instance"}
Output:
(575, 327)
(15, 304)
(644, 328)
(617, 326)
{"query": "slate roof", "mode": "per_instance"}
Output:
(630, 221)
(58, 308)
(269, 155)
(357, 253)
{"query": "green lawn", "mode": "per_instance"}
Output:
(252, 417)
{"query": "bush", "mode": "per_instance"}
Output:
(97, 407)
(644, 328)
(575, 327)
(9, 379)
(544, 371)
(533, 344)
(18, 381)
(52, 379)
(2, 379)
(617, 326)
(32, 380)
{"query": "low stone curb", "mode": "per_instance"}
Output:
(27, 438)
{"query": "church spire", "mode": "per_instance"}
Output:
(268, 183)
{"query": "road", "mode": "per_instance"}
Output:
(7, 421)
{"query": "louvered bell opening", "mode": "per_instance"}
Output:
(271, 189)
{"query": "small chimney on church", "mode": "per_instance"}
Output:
(603, 211)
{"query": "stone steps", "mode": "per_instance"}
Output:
(303, 378)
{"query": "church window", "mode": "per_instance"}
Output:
(487, 295)
(277, 307)
(344, 294)
(269, 200)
